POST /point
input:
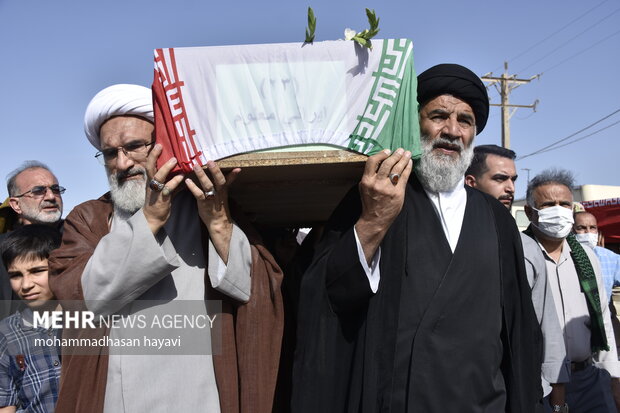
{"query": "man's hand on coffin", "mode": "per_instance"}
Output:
(382, 190)
(212, 199)
(157, 202)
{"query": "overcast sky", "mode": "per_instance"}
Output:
(57, 54)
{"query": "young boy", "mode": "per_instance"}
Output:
(29, 372)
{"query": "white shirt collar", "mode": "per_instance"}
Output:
(450, 208)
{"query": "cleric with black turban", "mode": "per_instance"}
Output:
(458, 81)
(416, 299)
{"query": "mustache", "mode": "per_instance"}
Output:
(49, 204)
(133, 171)
(442, 142)
(453, 145)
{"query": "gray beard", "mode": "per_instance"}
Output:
(128, 197)
(438, 172)
(36, 216)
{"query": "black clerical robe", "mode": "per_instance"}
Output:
(444, 333)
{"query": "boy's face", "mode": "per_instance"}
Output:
(28, 278)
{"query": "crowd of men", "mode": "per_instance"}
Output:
(421, 295)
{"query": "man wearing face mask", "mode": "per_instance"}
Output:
(493, 171)
(586, 232)
(578, 291)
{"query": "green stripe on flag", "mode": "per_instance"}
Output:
(390, 119)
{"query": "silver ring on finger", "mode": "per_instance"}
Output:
(166, 191)
(210, 193)
(394, 178)
(155, 185)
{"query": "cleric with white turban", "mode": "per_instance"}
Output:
(145, 241)
(116, 100)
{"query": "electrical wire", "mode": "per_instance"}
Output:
(580, 52)
(569, 40)
(553, 34)
(526, 117)
(551, 146)
(578, 139)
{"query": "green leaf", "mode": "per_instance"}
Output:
(363, 37)
(311, 26)
(372, 19)
(360, 40)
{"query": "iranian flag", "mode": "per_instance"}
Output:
(214, 102)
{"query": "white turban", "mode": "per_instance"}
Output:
(116, 100)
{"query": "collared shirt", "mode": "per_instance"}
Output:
(29, 371)
(171, 267)
(450, 209)
(610, 268)
(572, 310)
(555, 367)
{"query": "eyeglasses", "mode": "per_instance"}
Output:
(40, 190)
(135, 150)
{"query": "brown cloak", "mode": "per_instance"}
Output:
(247, 368)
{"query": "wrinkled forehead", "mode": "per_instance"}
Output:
(553, 192)
(34, 177)
(585, 218)
(446, 100)
(120, 130)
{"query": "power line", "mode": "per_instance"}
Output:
(580, 52)
(504, 85)
(569, 40)
(546, 148)
(554, 33)
(580, 139)
(525, 117)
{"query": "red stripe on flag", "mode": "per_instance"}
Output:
(172, 128)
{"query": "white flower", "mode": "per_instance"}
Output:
(349, 34)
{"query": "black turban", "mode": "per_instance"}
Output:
(458, 81)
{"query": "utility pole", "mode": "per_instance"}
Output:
(528, 173)
(504, 85)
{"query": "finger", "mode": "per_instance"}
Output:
(404, 177)
(165, 169)
(203, 179)
(193, 188)
(397, 170)
(232, 175)
(373, 162)
(174, 182)
(401, 164)
(151, 160)
(388, 164)
(218, 177)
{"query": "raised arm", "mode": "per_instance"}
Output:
(136, 253)
(360, 222)
(228, 273)
(382, 200)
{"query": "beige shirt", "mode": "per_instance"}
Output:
(572, 310)
(130, 263)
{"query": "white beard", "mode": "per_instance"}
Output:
(37, 216)
(128, 197)
(440, 172)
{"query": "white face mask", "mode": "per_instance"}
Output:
(555, 222)
(589, 239)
